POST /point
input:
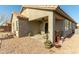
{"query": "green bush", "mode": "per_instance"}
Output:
(48, 44)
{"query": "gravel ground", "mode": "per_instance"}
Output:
(70, 45)
(22, 45)
(27, 45)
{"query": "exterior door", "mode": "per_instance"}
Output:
(46, 27)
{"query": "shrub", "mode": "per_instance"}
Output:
(48, 44)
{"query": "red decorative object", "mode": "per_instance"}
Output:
(58, 41)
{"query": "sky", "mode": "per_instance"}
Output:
(72, 10)
(6, 12)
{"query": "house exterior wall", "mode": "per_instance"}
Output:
(65, 27)
(69, 26)
(60, 25)
(14, 27)
(73, 26)
(35, 27)
(51, 27)
(24, 27)
(14, 19)
(42, 26)
(77, 26)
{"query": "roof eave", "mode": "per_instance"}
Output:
(59, 10)
(51, 8)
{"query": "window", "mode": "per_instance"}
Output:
(70, 26)
(67, 24)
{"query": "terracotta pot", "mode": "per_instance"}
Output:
(58, 44)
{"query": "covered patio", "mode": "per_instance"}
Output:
(52, 21)
(48, 25)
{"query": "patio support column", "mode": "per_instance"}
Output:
(51, 27)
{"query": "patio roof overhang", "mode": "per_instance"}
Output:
(54, 8)
(19, 16)
(41, 19)
(65, 15)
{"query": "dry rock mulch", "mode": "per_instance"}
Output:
(27, 45)
(22, 45)
(70, 46)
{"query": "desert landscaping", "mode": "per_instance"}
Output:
(38, 29)
(30, 45)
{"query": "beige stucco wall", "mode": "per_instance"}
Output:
(43, 26)
(24, 27)
(35, 27)
(51, 27)
(59, 25)
(13, 23)
(68, 31)
(14, 30)
(74, 26)
(77, 26)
